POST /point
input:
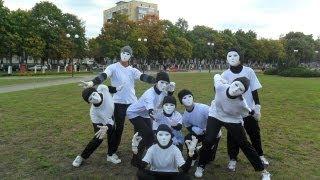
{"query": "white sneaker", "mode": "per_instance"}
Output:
(265, 175)
(232, 165)
(193, 162)
(265, 162)
(199, 172)
(114, 159)
(77, 161)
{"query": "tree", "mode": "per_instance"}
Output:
(4, 30)
(183, 48)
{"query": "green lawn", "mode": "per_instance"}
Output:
(41, 138)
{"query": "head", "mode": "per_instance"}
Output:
(90, 95)
(239, 86)
(162, 80)
(126, 53)
(164, 136)
(186, 97)
(233, 57)
(169, 104)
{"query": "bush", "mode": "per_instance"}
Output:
(293, 72)
(30, 73)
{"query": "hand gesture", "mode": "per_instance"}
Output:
(86, 84)
(191, 144)
(102, 132)
(171, 86)
(135, 142)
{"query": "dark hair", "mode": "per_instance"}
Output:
(245, 81)
(183, 93)
(169, 99)
(162, 76)
(127, 49)
(86, 93)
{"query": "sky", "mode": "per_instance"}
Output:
(268, 18)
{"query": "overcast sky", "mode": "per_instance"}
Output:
(268, 18)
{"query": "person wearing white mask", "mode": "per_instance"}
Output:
(172, 118)
(227, 110)
(163, 159)
(120, 74)
(101, 113)
(141, 113)
(195, 119)
(250, 124)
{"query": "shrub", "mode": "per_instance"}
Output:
(293, 72)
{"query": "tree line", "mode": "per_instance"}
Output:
(42, 33)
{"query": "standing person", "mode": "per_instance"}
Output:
(141, 113)
(227, 109)
(195, 119)
(172, 118)
(101, 112)
(251, 124)
(121, 74)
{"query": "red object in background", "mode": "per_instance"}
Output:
(69, 68)
(23, 68)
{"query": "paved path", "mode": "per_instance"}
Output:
(20, 87)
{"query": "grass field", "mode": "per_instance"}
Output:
(42, 131)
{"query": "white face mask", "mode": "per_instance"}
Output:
(169, 108)
(161, 85)
(236, 88)
(233, 58)
(187, 100)
(125, 56)
(95, 98)
(163, 138)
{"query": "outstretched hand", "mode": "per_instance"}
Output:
(171, 87)
(191, 144)
(135, 142)
(86, 84)
(257, 113)
(102, 132)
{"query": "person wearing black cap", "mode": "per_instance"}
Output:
(164, 159)
(172, 118)
(251, 124)
(121, 74)
(101, 113)
(141, 113)
(195, 119)
(227, 109)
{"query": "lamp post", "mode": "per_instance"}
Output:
(211, 46)
(145, 40)
(76, 36)
(295, 51)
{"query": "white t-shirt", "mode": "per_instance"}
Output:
(226, 109)
(126, 76)
(254, 82)
(197, 117)
(160, 118)
(103, 113)
(164, 160)
(149, 100)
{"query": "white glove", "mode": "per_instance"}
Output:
(197, 130)
(86, 84)
(135, 143)
(257, 113)
(119, 88)
(170, 87)
(224, 81)
(191, 144)
(102, 132)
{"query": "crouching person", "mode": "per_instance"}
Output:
(172, 118)
(163, 160)
(101, 112)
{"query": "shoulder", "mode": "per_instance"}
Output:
(247, 69)
(226, 72)
(102, 87)
(202, 106)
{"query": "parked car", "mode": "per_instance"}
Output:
(38, 67)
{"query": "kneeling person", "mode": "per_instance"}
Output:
(101, 112)
(172, 118)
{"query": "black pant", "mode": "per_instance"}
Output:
(200, 139)
(154, 175)
(144, 127)
(95, 142)
(119, 116)
(238, 133)
(253, 130)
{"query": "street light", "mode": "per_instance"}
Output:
(143, 40)
(76, 36)
(212, 45)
